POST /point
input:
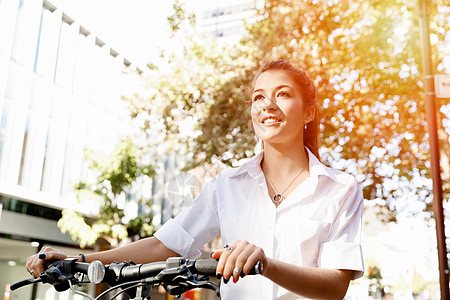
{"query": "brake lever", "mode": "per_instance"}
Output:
(58, 274)
(186, 281)
(24, 282)
(204, 284)
(168, 275)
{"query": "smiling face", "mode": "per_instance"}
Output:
(278, 111)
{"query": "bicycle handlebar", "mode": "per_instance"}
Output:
(200, 266)
(176, 274)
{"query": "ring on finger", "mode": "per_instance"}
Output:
(228, 248)
(59, 256)
(237, 270)
(31, 272)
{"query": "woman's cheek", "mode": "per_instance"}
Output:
(256, 124)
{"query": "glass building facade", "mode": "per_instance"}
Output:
(224, 20)
(60, 92)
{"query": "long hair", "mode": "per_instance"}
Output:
(309, 96)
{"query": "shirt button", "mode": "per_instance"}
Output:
(269, 226)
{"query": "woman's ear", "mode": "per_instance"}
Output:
(310, 112)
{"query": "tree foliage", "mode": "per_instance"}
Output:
(365, 59)
(115, 176)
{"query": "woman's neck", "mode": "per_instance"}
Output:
(280, 162)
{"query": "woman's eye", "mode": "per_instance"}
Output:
(283, 94)
(258, 97)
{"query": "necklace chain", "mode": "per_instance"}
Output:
(278, 197)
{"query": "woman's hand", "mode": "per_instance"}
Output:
(238, 259)
(35, 263)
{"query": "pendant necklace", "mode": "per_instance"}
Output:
(278, 197)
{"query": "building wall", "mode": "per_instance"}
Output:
(60, 89)
(60, 92)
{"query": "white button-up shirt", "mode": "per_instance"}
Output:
(317, 225)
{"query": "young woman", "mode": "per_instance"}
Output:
(282, 207)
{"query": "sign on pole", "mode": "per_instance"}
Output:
(442, 86)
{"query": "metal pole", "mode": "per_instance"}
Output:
(430, 99)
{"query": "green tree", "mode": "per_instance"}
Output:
(115, 176)
(364, 57)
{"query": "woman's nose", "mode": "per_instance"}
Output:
(269, 104)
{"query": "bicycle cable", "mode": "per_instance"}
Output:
(116, 287)
(128, 288)
(79, 292)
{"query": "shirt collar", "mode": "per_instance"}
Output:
(316, 168)
(253, 167)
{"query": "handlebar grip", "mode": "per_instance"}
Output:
(52, 263)
(81, 267)
(208, 267)
(257, 268)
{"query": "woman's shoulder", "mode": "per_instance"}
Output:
(343, 176)
(319, 169)
(225, 173)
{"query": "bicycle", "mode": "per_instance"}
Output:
(177, 275)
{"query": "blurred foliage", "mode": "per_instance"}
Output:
(373, 272)
(419, 284)
(365, 59)
(114, 177)
(179, 18)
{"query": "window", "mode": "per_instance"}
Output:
(235, 9)
(45, 161)
(18, 206)
(24, 151)
(46, 50)
(17, 52)
(82, 72)
(65, 60)
(3, 124)
(67, 164)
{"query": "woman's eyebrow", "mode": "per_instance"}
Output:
(276, 88)
(283, 86)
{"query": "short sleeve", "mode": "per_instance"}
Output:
(194, 226)
(342, 250)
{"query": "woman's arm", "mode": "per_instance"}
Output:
(316, 283)
(142, 251)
